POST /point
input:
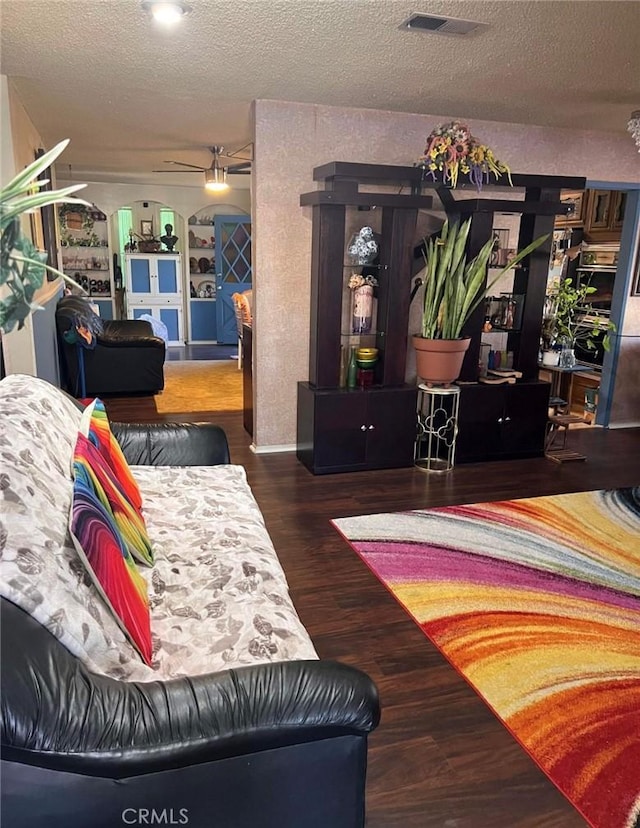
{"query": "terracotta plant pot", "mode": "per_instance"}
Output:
(439, 361)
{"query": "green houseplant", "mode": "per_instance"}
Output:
(23, 267)
(453, 289)
(567, 320)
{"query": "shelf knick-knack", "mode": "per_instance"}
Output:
(352, 370)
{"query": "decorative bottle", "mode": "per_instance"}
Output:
(352, 370)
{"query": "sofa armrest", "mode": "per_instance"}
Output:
(57, 714)
(172, 444)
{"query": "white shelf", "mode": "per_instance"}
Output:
(86, 269)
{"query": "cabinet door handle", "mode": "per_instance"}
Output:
(363, 428)
(371, 427)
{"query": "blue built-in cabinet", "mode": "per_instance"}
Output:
(105, 307)
(203, 320)
(154, 287)
(169, 316)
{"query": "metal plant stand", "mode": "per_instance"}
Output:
(435, 447)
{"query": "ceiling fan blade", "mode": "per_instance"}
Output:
(175, 172)
(236, 168)
(184, 164)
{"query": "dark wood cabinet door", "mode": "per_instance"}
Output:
(500, 421)
(391, 427)
(598, 211)
(341, 429)
(525, 419)
(479, 423)
(617, 210)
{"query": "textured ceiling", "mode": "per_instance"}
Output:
(130, 93)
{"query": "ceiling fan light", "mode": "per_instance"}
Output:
(166, 13)
(215, 179)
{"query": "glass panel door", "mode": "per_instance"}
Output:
(234, 271)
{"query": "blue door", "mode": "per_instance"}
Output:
(233, 271)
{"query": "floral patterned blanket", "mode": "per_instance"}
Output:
(218, 595)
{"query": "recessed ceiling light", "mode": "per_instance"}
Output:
(166, 12)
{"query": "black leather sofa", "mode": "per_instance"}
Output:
(277, 745)
(126, 357)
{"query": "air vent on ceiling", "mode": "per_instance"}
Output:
(442, 25)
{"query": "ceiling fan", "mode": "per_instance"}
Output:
(215, 176)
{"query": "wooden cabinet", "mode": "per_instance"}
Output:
(617, 210)
(154, 288)
(246, 344)
(501, 422)
(343, 429)
(600, 212)
(604, 215)
(350, 429)
(153, 277)
(202, 320)
(372, 427)
(577, 200)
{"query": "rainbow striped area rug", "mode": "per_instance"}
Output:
(536, 602)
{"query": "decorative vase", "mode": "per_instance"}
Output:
(550, 358)
(567, 357)
(362, 309)
(439, 361)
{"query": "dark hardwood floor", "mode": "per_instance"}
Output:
(180, 353)
(439, 759)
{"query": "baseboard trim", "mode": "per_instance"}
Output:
(632, 424)
(272, 449)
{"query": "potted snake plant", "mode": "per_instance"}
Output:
(453, 289)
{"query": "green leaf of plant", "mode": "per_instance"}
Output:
(21, 182)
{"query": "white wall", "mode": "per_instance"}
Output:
(290, 140)
(110, 197)
(25, 353)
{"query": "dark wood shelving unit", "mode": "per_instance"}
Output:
(343, 429)
(509, 421)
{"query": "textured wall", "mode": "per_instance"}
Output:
(290, 140)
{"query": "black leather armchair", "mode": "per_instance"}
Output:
(281, 745)
(127, 357)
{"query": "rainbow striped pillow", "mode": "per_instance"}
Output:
(109, 465)
(94, 424)
(104, 552)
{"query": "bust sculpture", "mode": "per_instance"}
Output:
(169, 240)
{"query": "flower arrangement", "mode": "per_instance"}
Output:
(363, 247)
(451, 149)
(357, 280)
